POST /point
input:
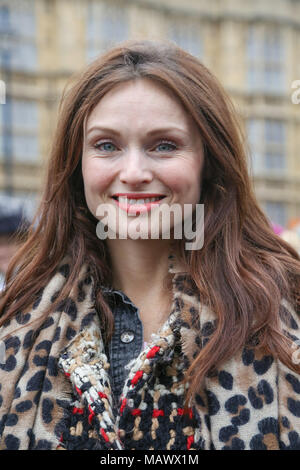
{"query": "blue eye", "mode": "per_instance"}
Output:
(169, 146)
(109, 144)
(163, 146)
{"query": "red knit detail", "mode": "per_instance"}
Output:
(61, 438)
(190, 441)
(152, 352)
(67, 374)
(104, 435)
(136, 412)
(78, 390)
(138, 375)
(91, 415)
(102, 395)
(181, 411)
(123, 405)
(77, 410)
(158, 413)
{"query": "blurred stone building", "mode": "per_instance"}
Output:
(253, 47)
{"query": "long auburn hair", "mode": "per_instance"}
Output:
(242, 271)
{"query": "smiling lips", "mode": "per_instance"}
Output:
(137, 202)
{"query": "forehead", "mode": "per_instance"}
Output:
(144, 99)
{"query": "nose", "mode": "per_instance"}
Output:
(135, 168)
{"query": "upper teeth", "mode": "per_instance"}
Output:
(124, 199)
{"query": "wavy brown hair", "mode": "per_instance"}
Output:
(242, 271)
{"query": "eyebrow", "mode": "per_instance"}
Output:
(158, 130)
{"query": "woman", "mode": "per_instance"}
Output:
(219, 367)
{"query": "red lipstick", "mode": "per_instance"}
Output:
(138, 195)
(137, 208)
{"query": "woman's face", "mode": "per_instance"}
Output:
(139, 142)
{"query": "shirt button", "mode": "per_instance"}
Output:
(127, 336)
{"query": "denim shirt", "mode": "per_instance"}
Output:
(127, 340)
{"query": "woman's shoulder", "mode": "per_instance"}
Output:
(55, 296)
(64, 271)
(289, 315)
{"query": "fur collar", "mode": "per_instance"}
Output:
(252, 402)
(86, 365)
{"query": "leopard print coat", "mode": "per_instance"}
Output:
(55, 389)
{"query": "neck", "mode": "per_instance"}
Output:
(140, 270)
(140, 267)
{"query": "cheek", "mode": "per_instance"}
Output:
(194, 179)
(185, 180)
(96, 181)
(95, 178)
